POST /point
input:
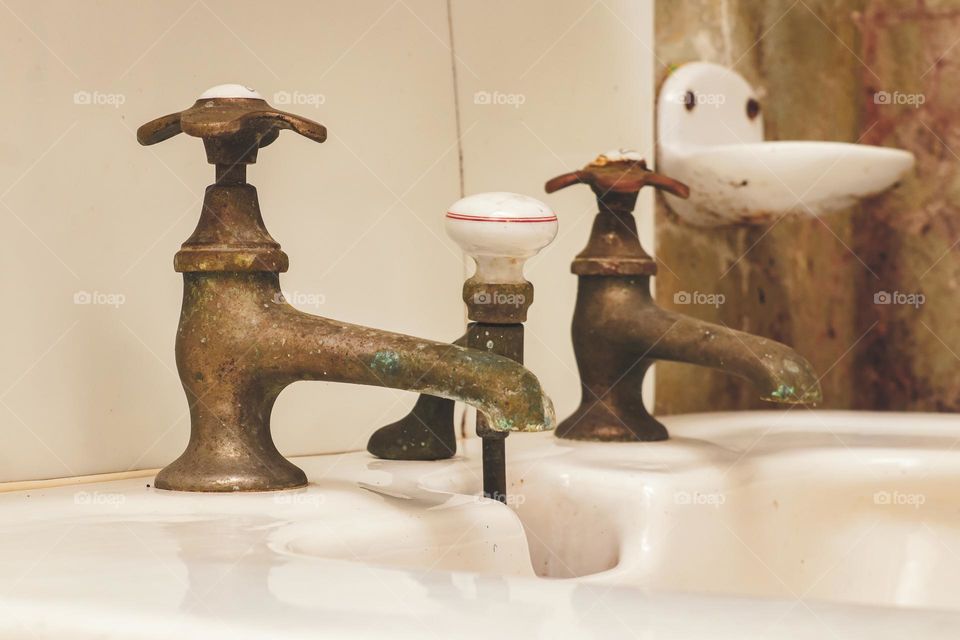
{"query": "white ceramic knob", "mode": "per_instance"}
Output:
(620, 155)
(501, 230)
(230, 91)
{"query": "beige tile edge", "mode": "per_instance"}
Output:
(27, 485)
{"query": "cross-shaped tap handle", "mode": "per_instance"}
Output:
(234, 122)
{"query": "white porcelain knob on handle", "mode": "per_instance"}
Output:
(230, 91)
(501, 231)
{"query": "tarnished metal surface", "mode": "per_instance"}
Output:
(510, 305)
(233, 129)
(613, 249)
(426, 433)
(240, 343)
(619, 332)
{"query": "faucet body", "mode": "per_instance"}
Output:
(239, 343)
(619, 332)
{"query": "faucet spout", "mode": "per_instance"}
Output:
(779, 373)
(240, 344)
(317, 348)
(619, 332)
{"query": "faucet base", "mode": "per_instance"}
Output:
(195, 471)
(596, 422)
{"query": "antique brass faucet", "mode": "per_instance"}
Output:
(619, 332)
(239, 343)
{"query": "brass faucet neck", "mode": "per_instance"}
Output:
(615, 202)
(614, 247)
(231, 174)
(231, 235)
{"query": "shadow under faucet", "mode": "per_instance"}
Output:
(239, 343)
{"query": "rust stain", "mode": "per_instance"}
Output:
(819, 277)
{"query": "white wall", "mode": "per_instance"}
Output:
(581, 77)
(83, 208)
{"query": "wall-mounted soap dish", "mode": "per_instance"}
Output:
(710, 136)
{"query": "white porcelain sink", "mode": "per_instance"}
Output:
(845, 507)
(710, 136)
(793, 524)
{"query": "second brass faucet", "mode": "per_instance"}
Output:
(619, 331)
